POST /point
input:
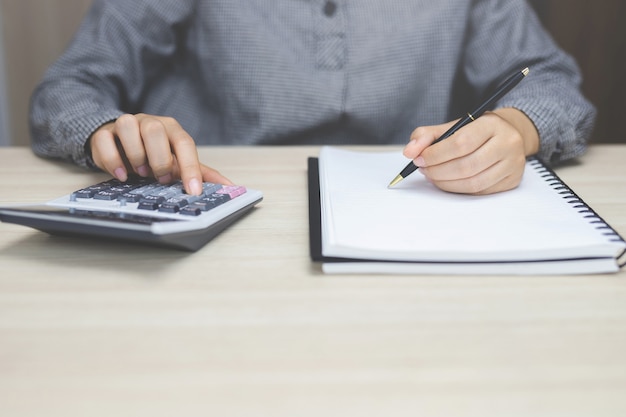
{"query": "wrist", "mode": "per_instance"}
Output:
(524, 126)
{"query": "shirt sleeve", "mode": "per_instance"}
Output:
(120, 47)
(507, 35)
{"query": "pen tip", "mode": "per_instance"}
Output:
(526, 71)
(396, 180)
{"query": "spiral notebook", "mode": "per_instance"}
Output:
(358, 225)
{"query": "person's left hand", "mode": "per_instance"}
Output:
(484, 157)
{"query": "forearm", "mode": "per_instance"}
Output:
(550, 95)
(62, 133)
(63, 115)
(99, 77)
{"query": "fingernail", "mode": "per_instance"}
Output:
(143, 170)
(120, 174)
(165, 179)
(419, 161)
(195, 187)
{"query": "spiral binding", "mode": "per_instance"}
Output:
(578, 204)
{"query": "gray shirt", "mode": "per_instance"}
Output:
(247, 72)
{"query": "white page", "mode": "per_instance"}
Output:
(415, 221)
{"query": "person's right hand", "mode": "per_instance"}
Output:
(151, 146)
(485, 157)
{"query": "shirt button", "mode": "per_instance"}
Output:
(330, 7)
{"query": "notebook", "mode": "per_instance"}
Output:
(358, 225)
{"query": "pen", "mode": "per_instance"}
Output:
(504, 88)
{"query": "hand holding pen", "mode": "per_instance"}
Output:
(485, 157)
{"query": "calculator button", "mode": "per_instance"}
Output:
(130, 197)
(107, 195)
(84, 193)
(170, 207)
(232, 190)
(214, 200)
(154, 199)
(191, 211)
(148, 205)
(209, 188)
(138, 193)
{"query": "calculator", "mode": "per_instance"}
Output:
(140, 210)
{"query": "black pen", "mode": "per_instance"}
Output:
(505, 87)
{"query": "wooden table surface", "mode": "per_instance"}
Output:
(248, 326)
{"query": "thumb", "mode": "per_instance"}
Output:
(212, 175)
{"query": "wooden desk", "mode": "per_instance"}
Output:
(248, 326)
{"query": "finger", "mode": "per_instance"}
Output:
(502, 150)
(465, 166)
(186, 156)
(508, 183)
(483, 157)
(129, 135)
(158, 150)
(489, 169)
(106, 154)
(424, 136)
(212, 175)
(492, 180)
(463, 142)
(208, 174)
